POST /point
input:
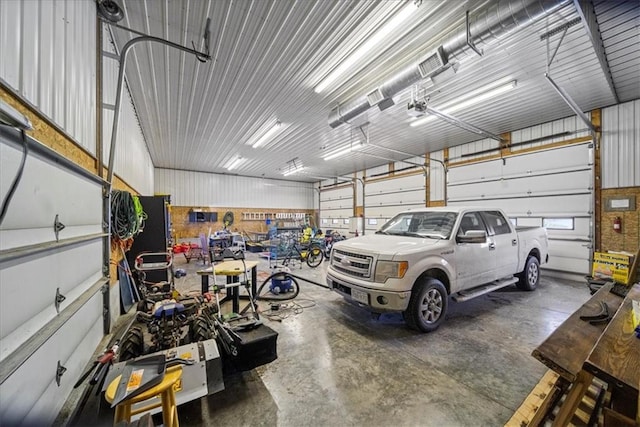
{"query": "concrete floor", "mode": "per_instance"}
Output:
(337, 366)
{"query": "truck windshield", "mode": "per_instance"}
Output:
(434, 225)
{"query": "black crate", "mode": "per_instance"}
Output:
(258, 348)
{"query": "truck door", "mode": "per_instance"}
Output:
(475, 262)
(505, 243)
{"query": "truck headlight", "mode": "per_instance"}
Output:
(390, 269)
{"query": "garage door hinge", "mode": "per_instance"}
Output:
(57, 227)
(58, 300)
(60, 370)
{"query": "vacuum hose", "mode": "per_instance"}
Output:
(282, 275)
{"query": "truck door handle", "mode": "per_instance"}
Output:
(492, 246)
(514, 242)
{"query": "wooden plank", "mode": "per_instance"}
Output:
(566, 349)
(535, 407)
(616, 356)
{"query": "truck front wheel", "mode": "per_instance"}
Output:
(427, 305)
(529, 278)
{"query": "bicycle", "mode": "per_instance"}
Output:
(311, 254)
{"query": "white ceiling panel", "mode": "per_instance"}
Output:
(268, 55)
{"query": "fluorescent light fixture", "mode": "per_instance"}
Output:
(367, 46)
(268, 134)
(293, 170)
(235, 163)
(343, 151)
(472, 98)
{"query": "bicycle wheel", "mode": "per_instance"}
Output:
(314, 256)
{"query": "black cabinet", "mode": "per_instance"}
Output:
(155, 236)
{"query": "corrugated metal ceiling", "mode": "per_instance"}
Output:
(268, 55)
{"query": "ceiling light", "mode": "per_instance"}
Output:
(235, 163)
(474, 97)
(268, 134)
(378, 37)
(343, 151)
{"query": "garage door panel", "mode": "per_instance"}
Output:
(558, 160)
(338, 204)
(44, 191)
(388, 211)
(554, 183)
(536, 206)
(396, 184)
(11, 239)
(572, 182)
(567, 265)
(400, 199)
(31, 391)
(31, 284)
(568, 249)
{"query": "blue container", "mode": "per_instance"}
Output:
(280, 285)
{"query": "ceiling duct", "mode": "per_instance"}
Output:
(485, 26)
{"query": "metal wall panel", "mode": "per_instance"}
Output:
(466, 151)
(10, 42)
(620, 145)
(207, 189)
(436, 177)
(569, 124)
(48, 56)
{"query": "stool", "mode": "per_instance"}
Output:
(164, 390)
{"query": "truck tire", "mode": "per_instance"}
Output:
(427, 305)
(528, 279)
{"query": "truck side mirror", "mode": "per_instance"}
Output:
(473, 236)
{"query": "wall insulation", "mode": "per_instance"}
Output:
(208, 189)
(47, 51)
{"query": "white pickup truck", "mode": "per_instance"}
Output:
(419, 258)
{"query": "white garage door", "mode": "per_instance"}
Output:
(385, 198)
(336, 208)
(551, 188)
(36, 334)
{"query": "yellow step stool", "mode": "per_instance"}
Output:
(165, 391)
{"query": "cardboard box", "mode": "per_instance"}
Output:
(612, 265)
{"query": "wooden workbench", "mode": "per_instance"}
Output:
(615, 358)
(567, 348)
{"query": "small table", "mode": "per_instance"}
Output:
(231, 269)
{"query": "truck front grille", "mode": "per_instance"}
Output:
(351, 263)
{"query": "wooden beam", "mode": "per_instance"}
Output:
(596, 119)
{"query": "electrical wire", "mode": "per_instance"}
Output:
(16, 180)
(127, 216)
(279, 312)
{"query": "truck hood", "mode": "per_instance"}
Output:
(387, 247)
